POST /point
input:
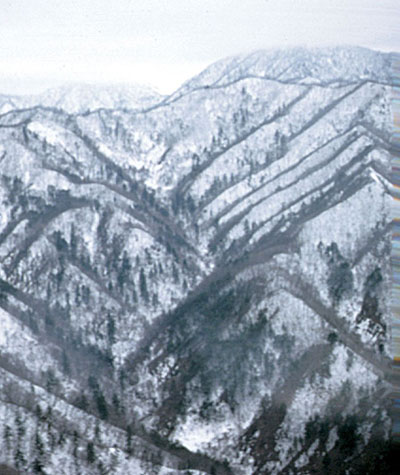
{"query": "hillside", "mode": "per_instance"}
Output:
(200, 283)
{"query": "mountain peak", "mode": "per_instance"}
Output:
(328, 66)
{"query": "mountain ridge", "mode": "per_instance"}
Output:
(188, 274)
(84, 97)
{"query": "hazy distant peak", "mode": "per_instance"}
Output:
(81, 97)
(77, 98)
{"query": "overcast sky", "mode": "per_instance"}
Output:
(164, 42)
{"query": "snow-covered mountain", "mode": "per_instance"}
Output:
(81, 98)
(200, 284)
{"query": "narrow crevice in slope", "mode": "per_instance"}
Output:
(304, 291)
(261, 435)
(88, 272)
(206, 202)
(352, 131)
(340, 176)
(279, 188)
(186, 182)
(164, 221)
(38, 225)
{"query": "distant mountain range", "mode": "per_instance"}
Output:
(81, 98)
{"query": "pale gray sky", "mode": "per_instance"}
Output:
(164, 42)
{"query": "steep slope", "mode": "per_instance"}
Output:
(201, 284)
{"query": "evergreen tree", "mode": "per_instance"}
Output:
(122, 378)
(90, 455)
(65, 363)
(75, 443)
(38, 463)
(39, 446)
(37, 466)
(39, 413)
(101, 405)
(19, 458)
(99, 398)
(20, 428)
(82, 402)
(61, 439)
(175, 274)
(134, 293)
(73, 243)
(123, 275)
(51, 381)
(97, 432)
(7, 437)
(111, 329)
(129, 440)
(116, 403)
(143, 286)
(3, 295)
